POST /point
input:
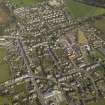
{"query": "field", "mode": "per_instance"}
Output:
(4, 68)
(4, 15)
(100, 102)
(82, 10)
(20, 3)
(4, 75)
(5, 100)
(100, 24)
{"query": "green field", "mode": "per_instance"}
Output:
(20, 88)
(4, 68)
(100, 54)
(100, 24)
(82, 10)
(4, 99)
(20, 3)
(100, 102)
(63, 103)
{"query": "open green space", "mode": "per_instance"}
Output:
(4, 67)
(99, 102)
(82, 10)
(20, 88)
(99, 54)
(5, 100)
(96, 54)
(20, 3)
(63, 103)
(100, 71)
(100, 24)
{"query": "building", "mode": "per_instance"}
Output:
(54, 98)
(56, 2)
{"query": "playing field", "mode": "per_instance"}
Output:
(82, 10)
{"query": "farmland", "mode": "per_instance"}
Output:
(81, 10)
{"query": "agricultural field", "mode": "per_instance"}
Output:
(81, 10)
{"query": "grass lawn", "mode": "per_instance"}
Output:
(100, 55)
(4, 68)
(100, 70)
(5, 99)
(99, 102)
(81, 10)
(63, 103)
(100, 24)
(97, 54)
(20, 88)
(20, 3)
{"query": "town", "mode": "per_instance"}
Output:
(53, 59)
